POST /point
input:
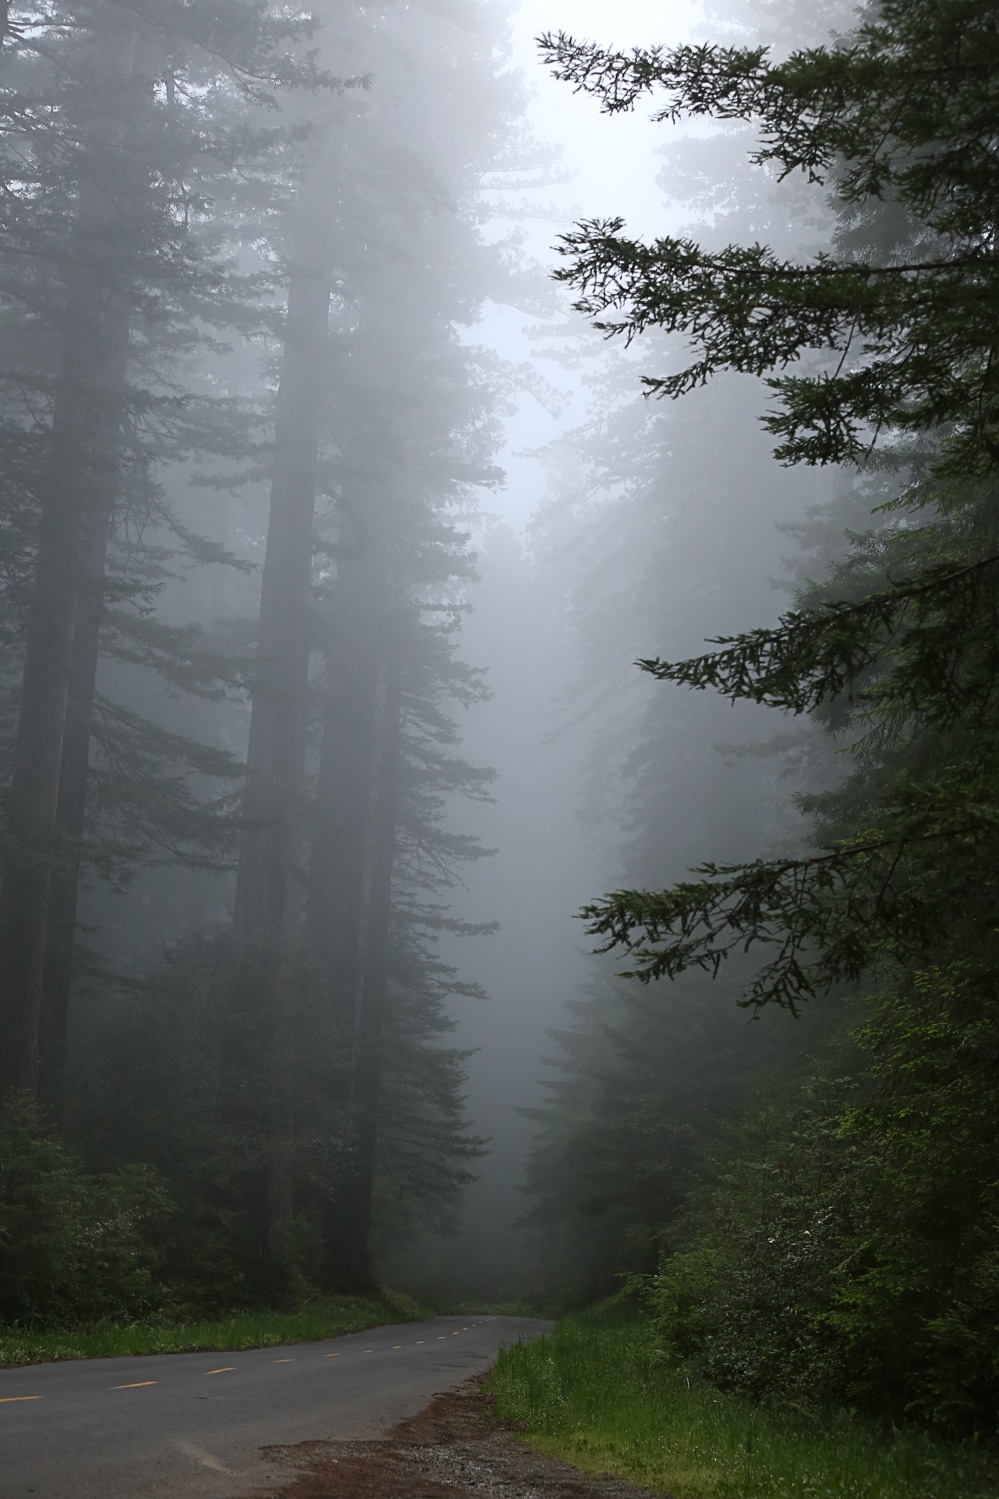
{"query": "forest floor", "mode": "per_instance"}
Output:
(454, 1449)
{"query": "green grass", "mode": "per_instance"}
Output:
(596, 1394)
(323, 1319)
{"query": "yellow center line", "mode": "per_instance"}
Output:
(13, 1399)
(229, 1369)
(140, 1384)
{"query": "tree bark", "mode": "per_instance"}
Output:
(269, 853)
(75, 761)
(374, 994)
(350, 1226)
(267, 906)
(339, 845)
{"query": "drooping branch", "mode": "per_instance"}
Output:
(827, 916)
(845, 107)
(811, 655)
(918, 333)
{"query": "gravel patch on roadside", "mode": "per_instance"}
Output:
(449, 1451)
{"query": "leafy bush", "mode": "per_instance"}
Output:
(73, 1246)
(748, 1295)
(918, 1312)
(849, 1254)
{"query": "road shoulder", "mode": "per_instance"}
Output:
(454, 1449)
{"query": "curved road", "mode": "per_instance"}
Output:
(193, 1424)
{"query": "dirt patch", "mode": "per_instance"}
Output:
(455, 1449)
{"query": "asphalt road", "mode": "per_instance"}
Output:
(194, 1424)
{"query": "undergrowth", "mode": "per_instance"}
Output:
(327, 1318)
(598, 1393)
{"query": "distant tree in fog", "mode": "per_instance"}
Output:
(164, 225)
(656, 526)
(118, 131)
(410, 432)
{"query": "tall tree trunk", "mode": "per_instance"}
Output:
(341, 833)
(349, 1230)
(73, 490)
(374, 992)
(275, 767)
(267, 894)
(75, 761)
(342, 843)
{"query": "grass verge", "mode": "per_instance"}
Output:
(323, 1319)
(596, 1394)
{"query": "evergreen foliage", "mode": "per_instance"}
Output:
(898, 112)
(74, 1246)
(880, 118)
(847, 1251)
(183, 1083)
(843, 1257)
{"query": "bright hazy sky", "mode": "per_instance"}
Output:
(612, 166)
(611, 157)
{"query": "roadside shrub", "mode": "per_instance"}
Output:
(74, 1247)
(849, 1254)
(918, 1313)
(748, 1294)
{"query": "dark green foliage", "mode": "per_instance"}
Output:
(74, 1247)
(192, 1077)
(849, 1251)
(918, 1312)
(847, 1255)
(899, 111)
(827, 916)
(746, 1295)
(911, 675)
(932, 629)
(913, 653)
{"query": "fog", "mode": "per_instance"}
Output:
(330, 537)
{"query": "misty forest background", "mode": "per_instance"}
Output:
(312, 748)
